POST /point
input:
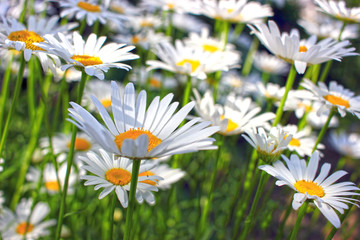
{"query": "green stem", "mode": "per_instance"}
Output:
(324, 129)
(249, 57)
(326, 70)
(63, 88)
(5, 90)
(82, 26)
(19, 81)
(31, 89)
(169, 28)
(109, 230)
(130, 210)
(238, 30)
(288, 86)
(315, 73)
(69, 160)
(225, 33)
(301, 214)
(187, 91)
(280, 232)
(23, 12)
(265, 77)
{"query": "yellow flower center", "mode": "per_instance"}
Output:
(311, 188)
(194, 63)
(294, 142)
(135, 39)
(52, 185)
(106, 102)
(28, 37)
(337, 101)
(148, 173)
(303, 48)
(134, 134)
(24, 227)
(231, 125)
(118, 176)
(155, 82)
(306, 106)
(87, 60)
(146, 24)
(210, 48)
(118, 9)
(89, 7)
(170, 6)
(81, 144)
(230, 10)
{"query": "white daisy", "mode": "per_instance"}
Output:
(154, 80)
(270, 64)
(301, 177)
(346, 144)
(167, 5)
(236, 116)
(123, 7)
(140, 133)
(188, 23)
(300, 52)
(268, 145)
(191, 61)
(115, 175)
(336, 96)
(90, 55)
(338, 10)
(144, 22)
(90, 11)
(18, 226)
(270, 91)
(243, 86)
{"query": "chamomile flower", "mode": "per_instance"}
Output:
(301, 53)
(338, 10)
(346, 144)
(334, 96)
(91, 55)
(270, 64)
(325, 193)
(167, 5)
(268, 145)
(145, 39)
(144, 22)
(236, 116)
(270, 91)
(153, 80)
(188, 23)
(115, 175)
(140, 133)
(20, 227)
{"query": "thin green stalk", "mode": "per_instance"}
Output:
(326, 70)
(324, 129)
(63, 88)
(225, 33)
(251, 217)
(69, 160)
(238, 30)
(187, 91)
(301, 215)
(315, 73)
(108, 226)
(23, 12)
(280, 232)
(265, 77)
(169, 29)
(288, 86)
(96, 27)
(82, 26)
(5, 90)
(18, 84)
(130, 209)
(31, 89)
(249, 57)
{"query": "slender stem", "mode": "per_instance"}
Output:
(265, 77)
(69, 160)
(111, 216)
(280, 232)
(130, 210)
(249, 57)
(23, 12)
(187, 91)
(301, 215)
(238, 30)
(315, 73)
(5, 90)
(19, 81)
(341, 31)
(326, 70)
(82, 26)
(324, 129)
(31, 88)
(288, 86)
(225, 33)
(169, 28)
(63, 87)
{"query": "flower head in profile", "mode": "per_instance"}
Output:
(268, 63)
(301, 53)
(322, 189)
(140, 133)
(89, 55)
(268, 145)
(347, 144)
(19, 226)
(115, 175)
(334, 96)
(338, 10)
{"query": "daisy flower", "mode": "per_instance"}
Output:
(91, 55)
(144, 22)
(338, 10)
(188, 23)
(270, 91)
(191, 61)
(270, 64)
(346, 144)
(21, 227)
(167, 5)
(325, 193)
(335, 96)
(268, 145)
(123, 7)
(236, 116)
(302, 141)
(140, 133)
(301, 53)
(155, 80)
(243, 86)
(15, 35)
(90, 11)
(115, 175)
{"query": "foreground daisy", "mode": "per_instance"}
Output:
(115, 175)
(300, 53)
(338, 10)
(325, 193)
(140, 133)
(91, 55)
(334, 96)
(20, 226)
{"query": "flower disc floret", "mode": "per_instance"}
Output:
(89, 7)
(24, 228)
(28, 37)
(305, 186)
(118, 176)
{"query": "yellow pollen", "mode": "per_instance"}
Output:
(24, 227)
(337, 101)
(52, 185)
(194, 63)
(210, 48)
(171, 6)
(146, 24)
(118, 9)
(148, 173)
(87, 60)
(311, 188)
(230, 10)
(154, 82)
(28, 37)
(135, 39)
(134, 134)
(81, 144)
(89, 7)
(294, 142)
(118, 176)
(303, 48)
(231, 125)
(106, 102)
